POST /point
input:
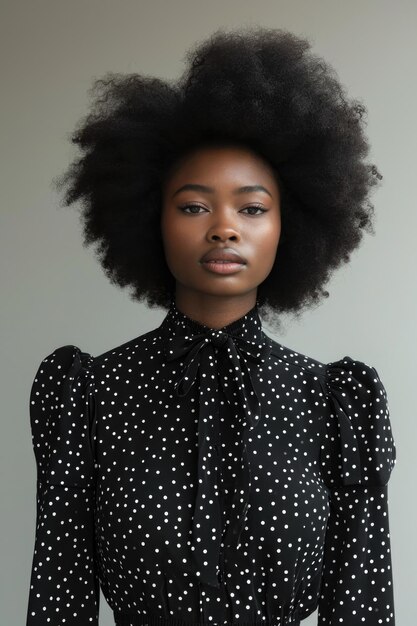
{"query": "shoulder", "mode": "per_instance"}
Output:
(359, 446)
(353, 375)
(61, 415)
(147, 345)
(356, 387)
(297, 360)
(347, 378)
(63, 363)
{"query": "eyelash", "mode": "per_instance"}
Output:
(253, 206)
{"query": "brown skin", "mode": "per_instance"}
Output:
(222, 218)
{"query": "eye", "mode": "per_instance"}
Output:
(258, 208)
(197, 206)
(190, 206)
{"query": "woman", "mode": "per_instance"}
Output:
(203, 472)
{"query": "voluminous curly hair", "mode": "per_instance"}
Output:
(258, 87)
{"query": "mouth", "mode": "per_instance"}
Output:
(224, 261)
(223, 255)
(222, 266)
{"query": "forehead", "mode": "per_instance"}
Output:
(221, 160)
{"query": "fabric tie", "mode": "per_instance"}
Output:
(213, 356)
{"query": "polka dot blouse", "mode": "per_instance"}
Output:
(206, 476)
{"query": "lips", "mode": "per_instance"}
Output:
(223, 255)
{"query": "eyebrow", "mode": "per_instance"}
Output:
(205, 189)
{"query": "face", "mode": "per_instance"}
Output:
(220, 198)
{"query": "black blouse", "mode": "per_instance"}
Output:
(203, 476)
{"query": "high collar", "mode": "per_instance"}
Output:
(248, 326)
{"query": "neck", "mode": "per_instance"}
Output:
(214, 311)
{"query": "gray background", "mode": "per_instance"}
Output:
(54, 292)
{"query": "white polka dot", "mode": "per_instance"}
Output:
(156, 457)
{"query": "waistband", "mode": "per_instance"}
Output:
(122, 618)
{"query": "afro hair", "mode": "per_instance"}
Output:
(258, 87)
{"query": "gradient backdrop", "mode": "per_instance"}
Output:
(53, 291)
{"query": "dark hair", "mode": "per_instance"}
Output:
(257, 87)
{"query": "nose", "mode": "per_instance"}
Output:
(223, 235)
(222, 230)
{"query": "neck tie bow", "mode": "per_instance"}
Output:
(217, 360)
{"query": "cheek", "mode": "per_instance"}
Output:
(181, 234)
(176, 242)
(267, 236)
(176, 239)
(267, 245)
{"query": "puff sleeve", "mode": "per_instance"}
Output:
(358, 455)
(64, 585)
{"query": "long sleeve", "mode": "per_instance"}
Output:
(358, 454)
(64, 585)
